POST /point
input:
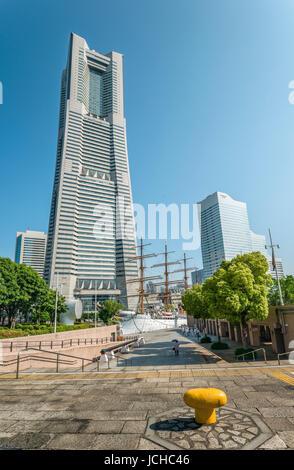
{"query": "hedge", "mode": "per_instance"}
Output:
(248, 357)
(31, 330)
(219, 345)
(205, 339)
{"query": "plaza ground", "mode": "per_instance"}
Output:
(141, 406)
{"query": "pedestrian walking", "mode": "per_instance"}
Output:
(176, 348)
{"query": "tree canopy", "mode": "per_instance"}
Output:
(195, 303)
(238, 290)
(24, 294)
(287, 288)
(108, 311)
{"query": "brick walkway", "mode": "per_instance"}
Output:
(125, 409)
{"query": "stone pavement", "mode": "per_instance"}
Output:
(132, 410)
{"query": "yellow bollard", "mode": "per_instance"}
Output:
(204, 401)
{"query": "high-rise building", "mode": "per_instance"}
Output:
(224, 228)
(225, 233)
(258, 244)
(279, 266)
(197, 276)
(91, 227)
(30, 249)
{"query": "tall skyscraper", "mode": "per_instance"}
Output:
(197, 276)
(30, 249)
(91, 228)
(225, 232)
(258, 244)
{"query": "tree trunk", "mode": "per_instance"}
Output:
(243, 325)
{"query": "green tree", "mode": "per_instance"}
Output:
(238, 290)
(45, 309)
(12, 297)
(23, 293)
(287, 288)
(109, 309)
(195, 303)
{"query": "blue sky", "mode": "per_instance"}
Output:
(206, 102)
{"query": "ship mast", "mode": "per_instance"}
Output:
(185, 270)
(142, 278)
(167, 273)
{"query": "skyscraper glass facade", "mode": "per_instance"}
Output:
(92, 182)
(225, 232)
(30, 249)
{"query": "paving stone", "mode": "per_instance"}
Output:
(5, 424)
(113, 415)
(199, 445)
(288, 438)
(279, 412)
(253, 430)
(183, 443)
(104, 427)
(230, 444)
(239, 440)
(280, 424)
(26, 441)
(71, 442)
(27, 426)
(213, 444)
(134, 427)
(116, 442)
(145, 444)
(65, 426)
(274, 443)
(224, 436)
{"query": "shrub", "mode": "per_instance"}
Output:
(219, 345)
(248, 357)
(205, 339)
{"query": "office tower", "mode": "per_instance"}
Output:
(224, 230)
(91, 227)
(279, 265)
(225, 233)
(30, 249)
(197, 276)
(258, 244)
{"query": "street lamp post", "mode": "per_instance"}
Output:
(95, 304)
(275, 265)
(56, 303)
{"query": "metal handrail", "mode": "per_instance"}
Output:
(252, 352)
(61, 343)
(57, 359)
(283, 354)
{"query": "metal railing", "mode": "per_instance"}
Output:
(12, 345)
(68, 362)
(58, 354)
(283, 354)
(253, 354)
